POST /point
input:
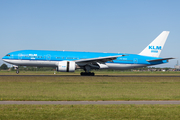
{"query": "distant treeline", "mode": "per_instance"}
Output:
(4, 67)
(24, 68)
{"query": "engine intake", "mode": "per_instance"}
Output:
(66, 66)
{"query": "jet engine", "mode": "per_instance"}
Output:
(66, 66)
(102, 66)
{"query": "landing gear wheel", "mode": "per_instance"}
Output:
(17, 71)
(87, 74)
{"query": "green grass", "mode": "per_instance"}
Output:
(89, 88)
(90, 112)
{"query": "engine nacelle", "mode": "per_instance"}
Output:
(102, 66)
(66, 66)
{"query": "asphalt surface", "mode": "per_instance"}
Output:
(91, 76)
(88, 102)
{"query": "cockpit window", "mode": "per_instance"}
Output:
(8, 55)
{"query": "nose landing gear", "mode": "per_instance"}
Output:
(17, 70)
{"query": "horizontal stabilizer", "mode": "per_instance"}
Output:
(159, 59)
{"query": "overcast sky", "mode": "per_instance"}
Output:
(125, 26)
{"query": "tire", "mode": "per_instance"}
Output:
(87, 74)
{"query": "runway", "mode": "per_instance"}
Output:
(88, 102)
(90, 76)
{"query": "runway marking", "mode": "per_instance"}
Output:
(87, 102)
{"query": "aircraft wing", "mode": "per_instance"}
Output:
(155, 60)
(99, 59)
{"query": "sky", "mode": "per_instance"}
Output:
(125, 26)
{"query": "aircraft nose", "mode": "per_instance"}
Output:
(3, 58)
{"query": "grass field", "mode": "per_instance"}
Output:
(45, 88)
(42, 88)
(90, 112)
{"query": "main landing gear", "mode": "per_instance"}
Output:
(87, 72)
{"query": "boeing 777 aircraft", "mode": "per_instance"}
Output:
(69, 61)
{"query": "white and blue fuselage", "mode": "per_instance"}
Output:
(51, 58)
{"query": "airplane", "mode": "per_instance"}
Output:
(69, 61)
